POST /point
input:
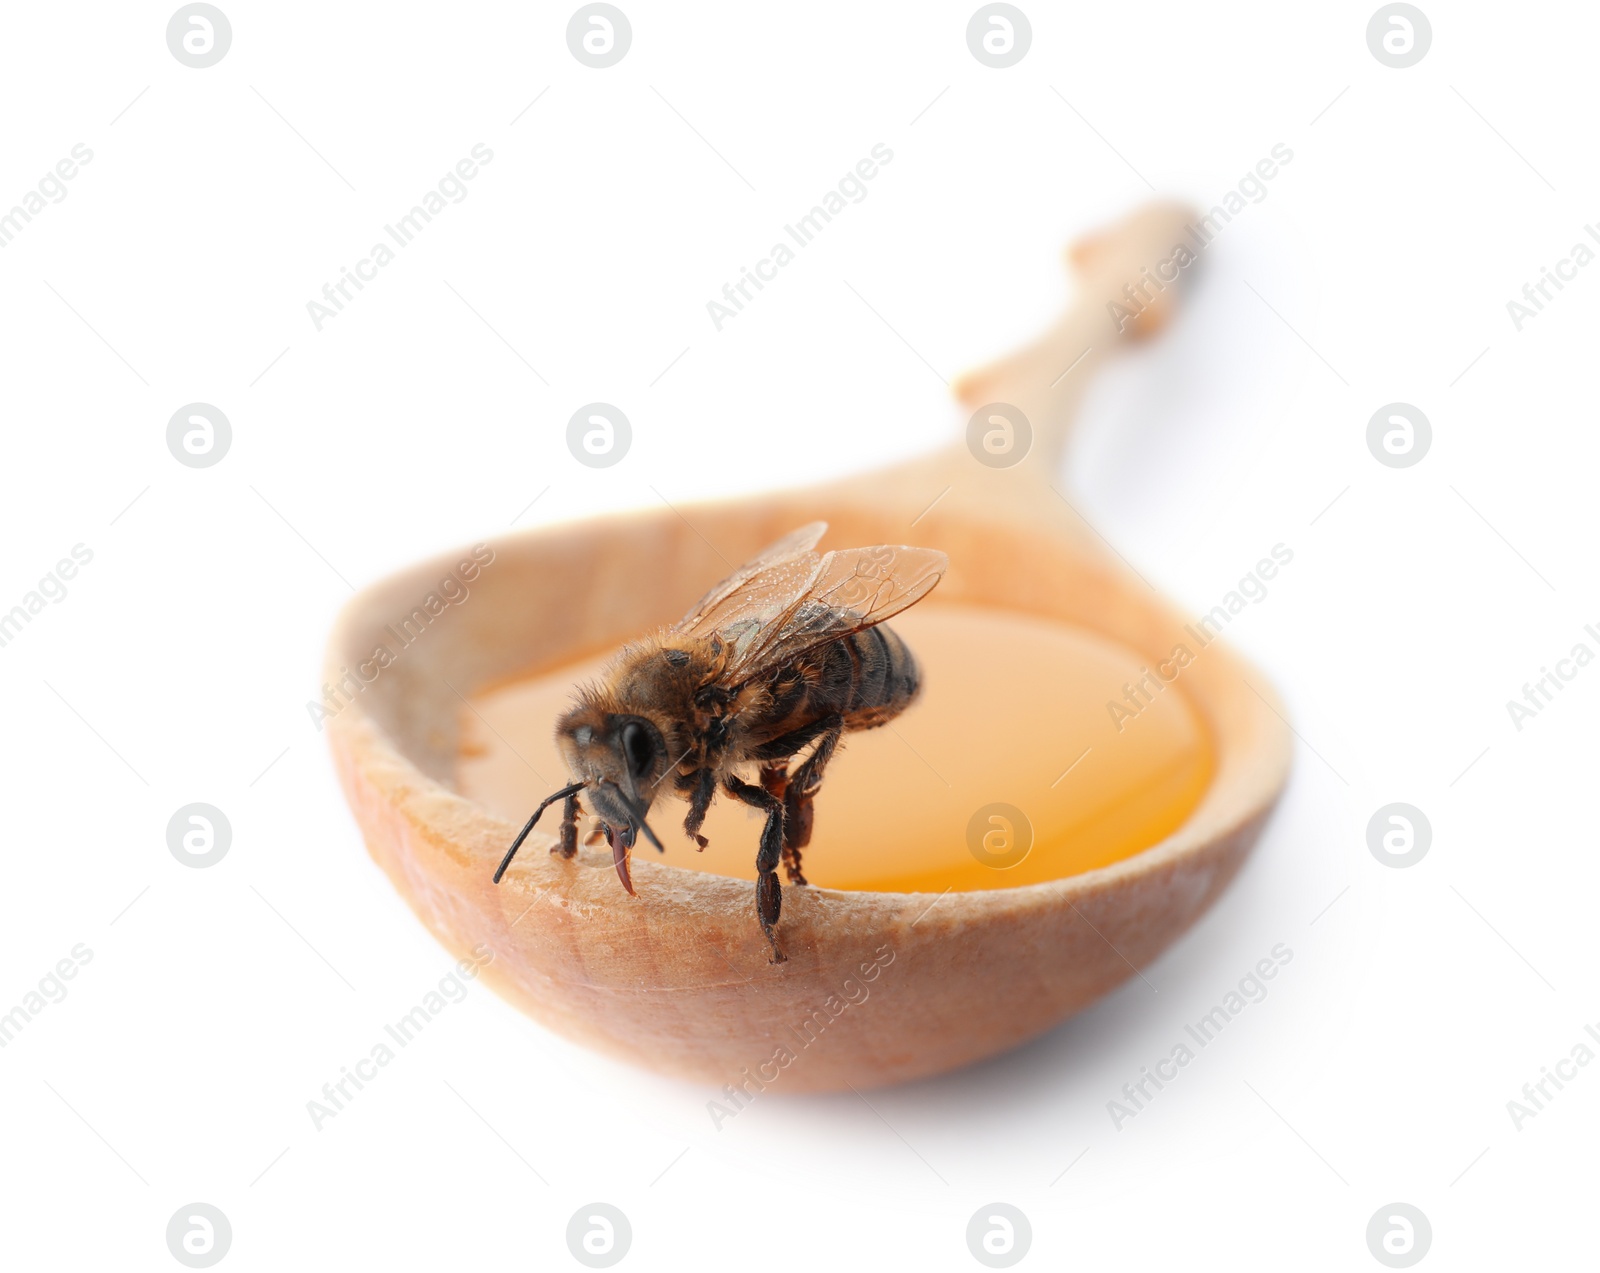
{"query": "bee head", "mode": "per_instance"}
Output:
(620, 755)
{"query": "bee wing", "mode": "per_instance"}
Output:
(847, 591)
(707, 614)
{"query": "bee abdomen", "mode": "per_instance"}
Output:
(866, 679)
(885, 677)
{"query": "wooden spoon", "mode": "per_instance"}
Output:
(678, 979)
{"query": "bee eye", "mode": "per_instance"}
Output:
(637, 748)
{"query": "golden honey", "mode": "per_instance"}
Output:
(1013, 711)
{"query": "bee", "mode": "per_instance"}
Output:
(788, 653)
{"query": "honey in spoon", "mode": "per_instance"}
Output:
(1015, 721)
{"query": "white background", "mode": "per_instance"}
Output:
(177, 668)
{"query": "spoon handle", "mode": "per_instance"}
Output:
(1121, 296)
(1128, 277)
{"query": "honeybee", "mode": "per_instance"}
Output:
(785, 654)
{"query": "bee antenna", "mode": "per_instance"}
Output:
(637, 813)
(545, 804)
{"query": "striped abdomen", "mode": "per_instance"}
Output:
(883, 676)
(867, 679)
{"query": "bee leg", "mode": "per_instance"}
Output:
(568, 844)
(769, 893)
(791, 855)
(775, 778)
(775, 782)
(802, 789)
(699, 802)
